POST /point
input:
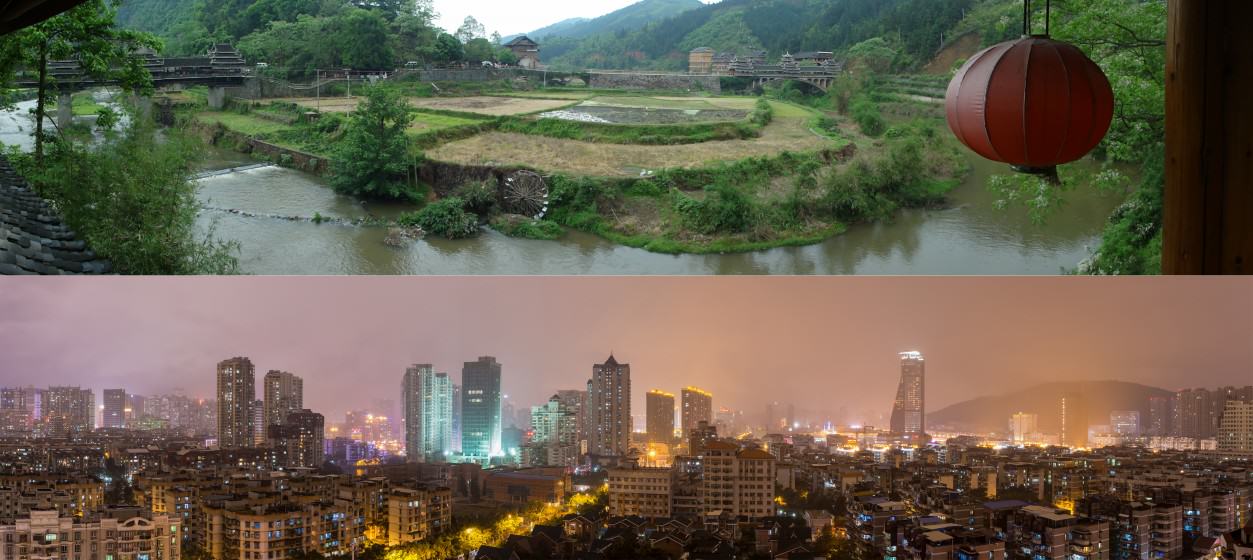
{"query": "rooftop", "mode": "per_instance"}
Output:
(33, 239)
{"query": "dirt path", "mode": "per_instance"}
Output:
(586, 158)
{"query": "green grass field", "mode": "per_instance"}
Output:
(430, 122)
(245, 124)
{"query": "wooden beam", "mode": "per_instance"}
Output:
(1208, 221)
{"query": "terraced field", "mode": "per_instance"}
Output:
(609, 160)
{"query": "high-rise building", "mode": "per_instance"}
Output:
(299, 439)
(909, 408)
(698, 406)
(554, 435)
(609, 408)
(1160, 414)
(659, 416)
(236, 393)
(68, 411)
(1236, 432)
(576, 401)
(1021, 424)
(1193, 416)
(456, 417)
(114, 415)
(428, 414)
(284, 394)
(480, 409)
(1125, 422)
(15, 415)
(1074, 420)
(259, 429)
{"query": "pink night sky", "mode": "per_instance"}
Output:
(820, 343)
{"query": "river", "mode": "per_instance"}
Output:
(970, 237)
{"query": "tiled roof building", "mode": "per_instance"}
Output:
(33, 239)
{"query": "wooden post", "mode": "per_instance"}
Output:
(1208, 222)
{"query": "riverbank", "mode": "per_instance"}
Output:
(770, 177)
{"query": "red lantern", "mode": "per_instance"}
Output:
(1033, 103)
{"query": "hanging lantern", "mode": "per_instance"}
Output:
(1033, 103)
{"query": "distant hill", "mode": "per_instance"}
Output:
(153, 16)
(630, 18)
(986, 414)
(777, 26)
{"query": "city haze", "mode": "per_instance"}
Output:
(816, 343)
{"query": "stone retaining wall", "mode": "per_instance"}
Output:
(710, 84)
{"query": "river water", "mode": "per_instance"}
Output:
(970, 237)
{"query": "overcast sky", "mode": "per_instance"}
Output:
(512, 17)
(817, 342)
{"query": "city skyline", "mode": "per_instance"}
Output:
(1159, 333)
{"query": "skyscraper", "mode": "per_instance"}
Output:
(1074, 420)
(114, 415)
(428, 414)
(659, 416)
(698, 406)
(909, 409)
(554, 435)
(480, 409)
(609, 408)
(456, 417)
(1193, 416)
(236, 393)
(15, 416)
(259, 433)
(284, 394)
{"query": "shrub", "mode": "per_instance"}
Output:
(478, 197)
(446, 218)
(763, 113)
(516, 226)
(866, 113)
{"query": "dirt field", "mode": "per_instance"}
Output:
(327, 104)
(485, 105)
(586, 158)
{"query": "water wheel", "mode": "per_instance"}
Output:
(525, 193)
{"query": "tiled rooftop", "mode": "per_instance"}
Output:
(33, 239)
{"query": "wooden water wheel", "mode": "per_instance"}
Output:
(525, 193)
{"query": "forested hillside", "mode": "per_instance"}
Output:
(630, 18)
(777, 26)
(154, 16)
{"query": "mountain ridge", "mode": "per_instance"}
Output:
(991, 413)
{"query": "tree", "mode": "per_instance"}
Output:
(374, 152)
(131, 200)
(361, 39)
(86, 34)
(479, 50)
(470, 29)
(448, 49)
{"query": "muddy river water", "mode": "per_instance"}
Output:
(970, 237)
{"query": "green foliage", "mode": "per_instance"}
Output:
(866, 112)
(725, 209)
(85, 34)
(131, 199)
(725, 32)
(873, 54)
(353, 38)
(478, 197)
(1132, 241)
(373, 154)
(763, 113)
(446, 218)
